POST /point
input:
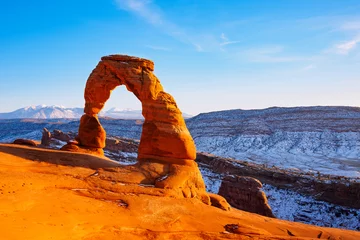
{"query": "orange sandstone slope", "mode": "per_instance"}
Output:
(48, 194)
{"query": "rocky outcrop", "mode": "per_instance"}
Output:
(165, 136)
(26, 142)
(55, 138)
(245, 193)
(338, 190)
(61, 136)
(46, 138)
(122, 144)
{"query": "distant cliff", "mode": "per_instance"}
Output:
(325, 139)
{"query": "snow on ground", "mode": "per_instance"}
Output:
(324, 139)
(212, 180)
(300, 208)
(35, 135)
(289, 205)
(125, 158)
(281, 154)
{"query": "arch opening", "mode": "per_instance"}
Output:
(122, 104)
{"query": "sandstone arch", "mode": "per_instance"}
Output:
(165, 136)
(167, 151)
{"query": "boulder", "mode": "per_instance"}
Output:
(26, 142)
(245, 193)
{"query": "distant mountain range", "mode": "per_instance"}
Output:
(51, 112)
(324, 139)
(43, 112)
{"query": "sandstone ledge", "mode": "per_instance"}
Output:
(77, 196)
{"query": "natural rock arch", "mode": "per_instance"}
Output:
(166, 152)
(164, 137)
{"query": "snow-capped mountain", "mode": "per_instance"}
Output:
(325, 139)
(51, 112)
(43, 112)
(126, 113)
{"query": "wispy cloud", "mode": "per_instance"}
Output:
(153, 15)
(271, 54)
(223, 37)
(309, 67)
(226, 41)
(336, 26)
(344, 48)
(352, 27)
(158, 48)
(142, 8)
(198, 47)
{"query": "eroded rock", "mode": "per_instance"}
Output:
(245, 193)
(26, 142)
(166, 152)
(165, 136)
(61, 136)
(122, 144)
(46, 137)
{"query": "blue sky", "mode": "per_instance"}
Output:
(209, 54)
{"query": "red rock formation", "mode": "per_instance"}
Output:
(166, 150)
(50, 194)
(165, 136)
(245, 193)
(25, 142)
(122, 144)
(59, 135)
(46, 137)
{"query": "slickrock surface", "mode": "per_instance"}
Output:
(164, 136)
(245, 193)
(49, 194)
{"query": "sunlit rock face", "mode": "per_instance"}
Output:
(165, 136)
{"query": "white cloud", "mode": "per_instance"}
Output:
(153, 15)
(345, 47)
(143, 8)
(226, 41)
